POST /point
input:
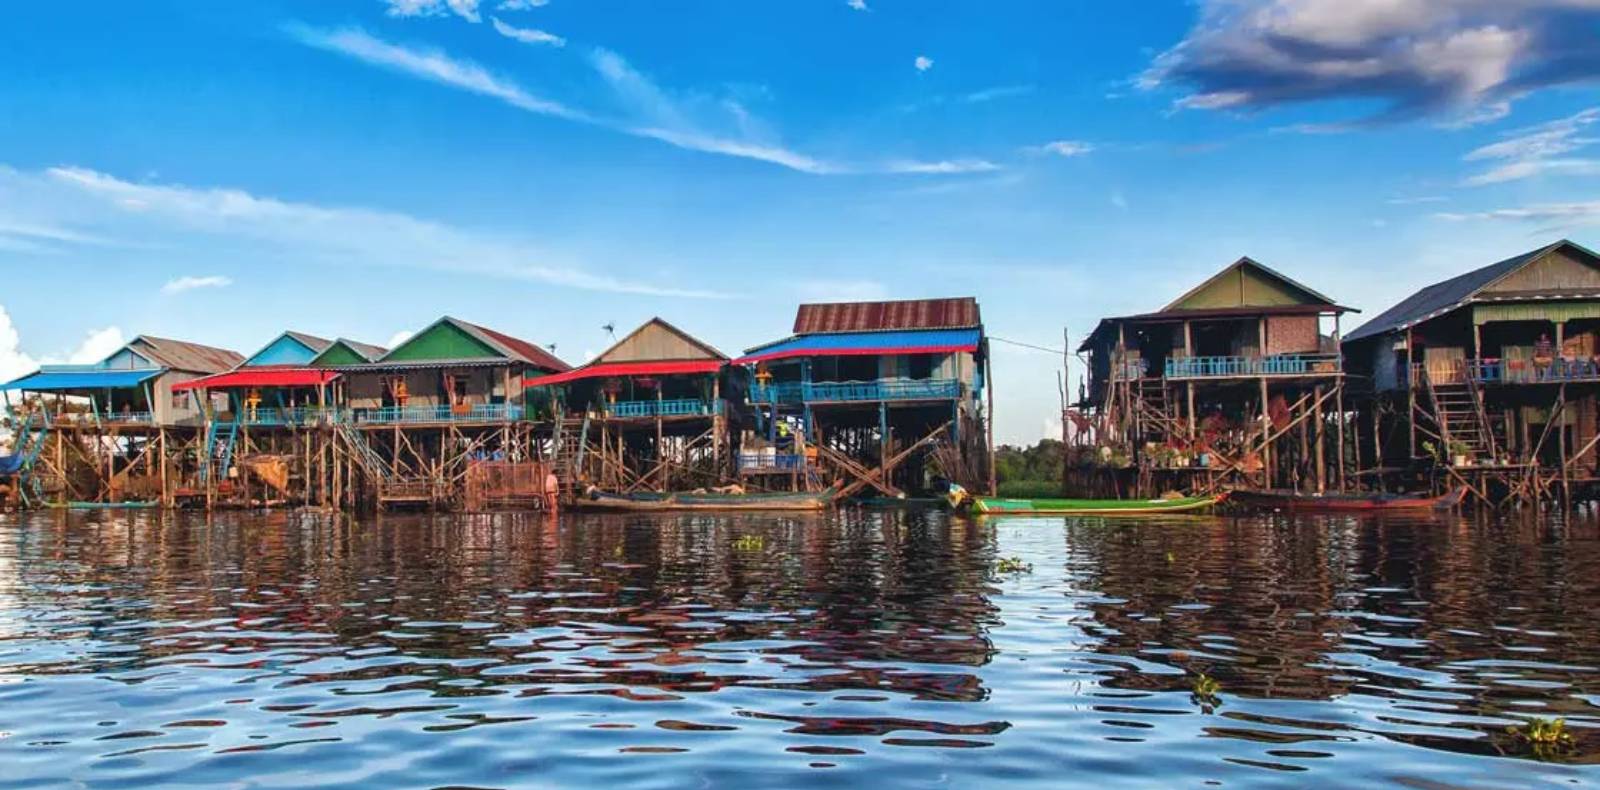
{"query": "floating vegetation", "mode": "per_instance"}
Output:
(749, 543)
(1012, 565)
(1545, 738)
(1205, 692)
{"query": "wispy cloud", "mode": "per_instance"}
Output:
(432, 65)
(527, 35)
(941, 167)
(1465, 60)
(466, 9)
(1065, 148)
(520, 5)
(178, 285)
(859, 5)
(396, 339)
(997, 92)
(692, 122)
(314, 234)
(923, 63)
(1412, 201)
(1539, 150)
(1552, 215)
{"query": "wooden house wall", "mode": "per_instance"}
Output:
(284, 351)
(1244, 286)
(339, 354)
(169, 410)
(1558, 271)
(1293, 334)
(442, 341)
(652, 343)
(425, 386)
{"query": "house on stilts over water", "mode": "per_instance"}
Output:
(267, 424)
(451, 394)
(1487, 380)
(112, 430)
(881, 398)
(1234, 383)
(644, 415)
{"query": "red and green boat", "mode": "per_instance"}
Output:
(998, 506)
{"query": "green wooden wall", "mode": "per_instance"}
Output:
(338, 354)
(442, 341)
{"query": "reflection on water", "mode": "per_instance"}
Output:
(139, 649)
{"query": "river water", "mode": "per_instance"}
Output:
(882, 647)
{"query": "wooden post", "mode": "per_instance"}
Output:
(988, 381)
(1318, 449)
(1411, 393)
(1266, 436)
(1338, 445)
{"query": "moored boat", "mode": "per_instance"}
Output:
(998, 506)
(710, 501)
(1297, 502)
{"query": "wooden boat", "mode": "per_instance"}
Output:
(713, 502)
(1296, 502)
(996, 506)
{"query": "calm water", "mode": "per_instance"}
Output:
(863, 647)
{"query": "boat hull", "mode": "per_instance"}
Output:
(995, 506)
(1344, 503)
(602, 501)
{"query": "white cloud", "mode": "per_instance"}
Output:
(466, 9)
(1067, 148)
(1412, 201)
(398, 338)
(1539, 150)
(923, 63)
(97, 345)
(694, 123)
(1555, 215)
(1466, 59)
(941, 167)
(430, 65)
(14, 363)
(314, 234)
(527, 35)
(520, 5)
(188, 283)
(859, 5)
(997, 92)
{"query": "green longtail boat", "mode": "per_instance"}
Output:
(997, 506)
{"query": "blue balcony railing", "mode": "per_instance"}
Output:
(291, 416)
(665, 408)
(854, 391)
(105, 417)
(404, 415)
(1275, 365)
(1527, 371)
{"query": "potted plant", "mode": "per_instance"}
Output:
(1460, 453)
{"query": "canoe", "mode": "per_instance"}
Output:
(1345, 503)
(711, 502)
(996, 506)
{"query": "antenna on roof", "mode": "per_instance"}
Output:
(611, 329)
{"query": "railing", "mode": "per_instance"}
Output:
(1131, 369)
(845, 391)
(771, 462)
(292, 416)
(92, 418)
(1528, 371)
(665, 408)
(402, 415)
(1275, 365)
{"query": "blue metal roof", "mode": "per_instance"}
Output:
(67, 379)
(899, 342)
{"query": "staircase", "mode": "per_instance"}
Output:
(1458, 409)
(32, 434)
(220, 440)
(372, 465)
(1154, 412)
(567, 461)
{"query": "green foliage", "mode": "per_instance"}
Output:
(1039, 464)
(1030, 489)
(1546, 738)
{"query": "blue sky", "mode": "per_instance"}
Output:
(220, 172)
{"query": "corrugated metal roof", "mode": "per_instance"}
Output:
(187, 357)
(515, 348)
(80, 377)
(368, 350)
(261, 377)
(1442, 297)
(620, 369)
(954, 313)
(312, 342)
(924, 341)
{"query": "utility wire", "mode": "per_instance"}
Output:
(1058, 352)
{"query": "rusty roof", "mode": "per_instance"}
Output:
(189, 357)
(515, 348)
(954, 313)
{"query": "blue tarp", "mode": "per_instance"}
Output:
(68, 380)
(10, 465)
(842, 343)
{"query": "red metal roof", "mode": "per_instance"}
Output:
(957, 313)
(260, 377)
(620, 369)
(522, 348)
